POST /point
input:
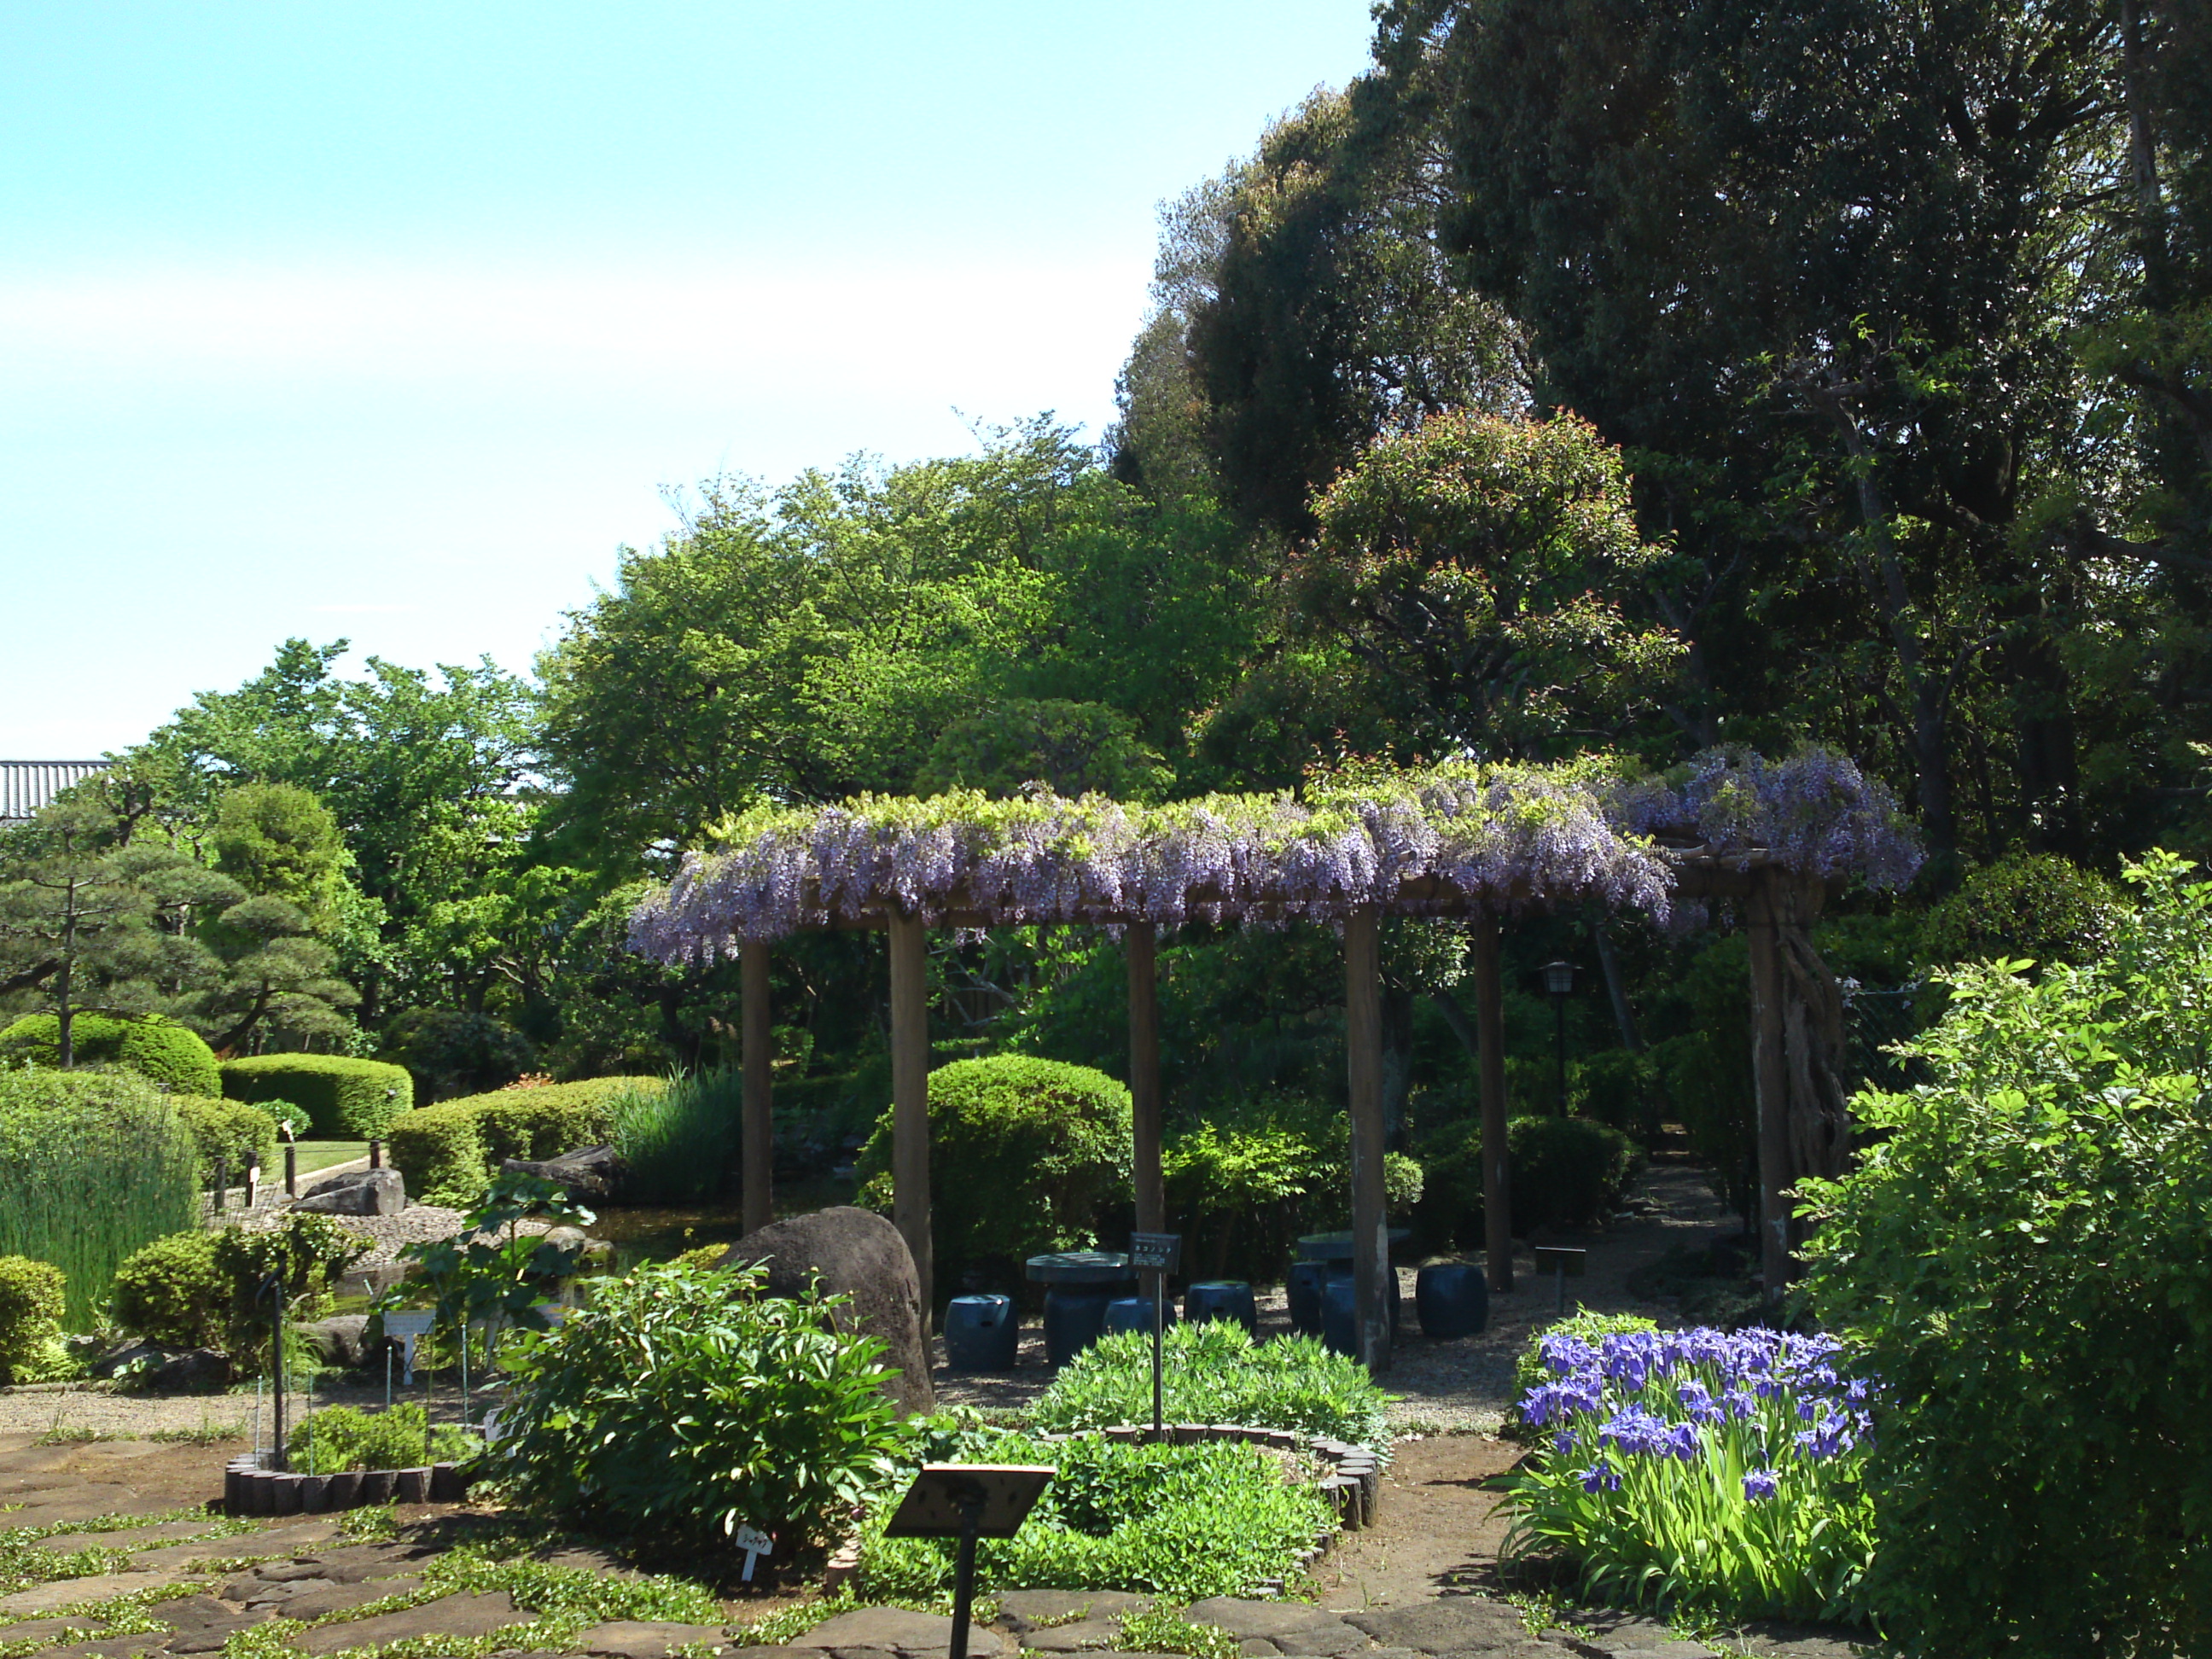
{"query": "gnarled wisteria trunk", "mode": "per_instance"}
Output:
(1797, 1060)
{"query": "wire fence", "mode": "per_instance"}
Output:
(1874, 1019)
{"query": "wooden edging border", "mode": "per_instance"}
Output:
(1353, 1484)
(248, 1488)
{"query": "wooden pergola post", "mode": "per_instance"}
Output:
(1363, 1043)
(756, 1130)
(1143, 943)
(1771, 1080)
(1490, 1071)
(911, 1097)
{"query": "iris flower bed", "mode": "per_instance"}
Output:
(1701, 1470)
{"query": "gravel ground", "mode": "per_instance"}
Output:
(418, 1224)
(1466, 1384)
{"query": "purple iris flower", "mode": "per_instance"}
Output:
(1757, 1484)
(1600, 1476)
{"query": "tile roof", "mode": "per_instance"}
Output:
(27, 786)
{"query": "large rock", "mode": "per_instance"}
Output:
(342, 1339)
(588, 1172)
(357, 1192)
(856, 1254)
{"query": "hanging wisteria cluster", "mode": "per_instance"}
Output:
(1702, 1466)
(1814, 813)
(1426, 841)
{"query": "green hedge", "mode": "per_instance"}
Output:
(158, 1049)
(446, 1153)
(344, 1099)
(33, 1295)
(230, 1131)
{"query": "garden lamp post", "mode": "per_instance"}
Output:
(1560, 980)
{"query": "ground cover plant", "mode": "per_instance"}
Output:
(93, 1165)
(683, 1402)
(1214, 1372)
(1702, 1471)
(1182, 1521)
(2022, 1253)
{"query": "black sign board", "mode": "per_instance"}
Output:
(945, 1497)
(1155, 1253)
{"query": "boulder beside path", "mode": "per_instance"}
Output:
(358, 1192)
(854, 1253)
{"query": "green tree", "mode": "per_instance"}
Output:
(91, 921)
(1476, 567)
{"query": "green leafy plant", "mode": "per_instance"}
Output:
(171, 1292)
(1184, 1522)
(34, 1295)
(1565, 1171)
(1162, 1630)
(491, 1280)
(1214, 1372)
(341, 1437)
(208, 1289)
(2021, 1252)
(1024, 1154)
(229, 1134)
(681, 1402)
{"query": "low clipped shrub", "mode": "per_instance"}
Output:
(93, 1165)
(344, 1098)
(342, 1438)
(447, 1152)
(1024, 1153)
(1214, 1372)
(682, 1402)
(172, 1292)
(229, 1132)
(34, 1295)
(2033, 905)
(1182, 1522)
(173, 1057)
(202, 1288)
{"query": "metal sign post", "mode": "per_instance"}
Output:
(1563, 1264)
(1156, 1254)
(967, 1501)
(274, 1286)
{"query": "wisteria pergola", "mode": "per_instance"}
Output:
(1481, 844)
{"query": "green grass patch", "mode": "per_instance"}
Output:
(316, 1155)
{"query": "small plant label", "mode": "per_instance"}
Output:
(756, 1544)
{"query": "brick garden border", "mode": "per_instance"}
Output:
(249, 1488)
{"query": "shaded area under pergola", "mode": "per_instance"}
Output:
(1474, 845)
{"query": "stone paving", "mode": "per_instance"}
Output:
(203, 1580)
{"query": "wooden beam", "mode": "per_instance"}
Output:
(1362, 1045)
(1490, 1072)
(910, 1098)
(1143, 942)
(1771, 1082)
(756, 1130)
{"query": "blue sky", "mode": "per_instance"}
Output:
(392, 322)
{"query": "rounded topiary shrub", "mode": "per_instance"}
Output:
(172, 1293)
(345, 1099)
(229, 1134)
(1024, 1154)
(33, 1295)
(1563, 1172)
(158, 1049)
